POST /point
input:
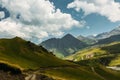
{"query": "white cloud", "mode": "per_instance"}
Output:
(107, 8)
(2, 14)
(37, 18)
(10, 28)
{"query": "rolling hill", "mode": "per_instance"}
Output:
(35, 62)
(18, 52)
(65, 46)
(108, 55)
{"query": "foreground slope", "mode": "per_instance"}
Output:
(26, 55)
(38, 64)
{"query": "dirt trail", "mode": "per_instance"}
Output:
(93, 69)
(30, 77)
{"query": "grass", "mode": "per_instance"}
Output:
(26, 55)
(72, 74)
(83, 72)
(101, 70)
(81, 55)
(104, 51)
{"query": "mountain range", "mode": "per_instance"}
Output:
(64, 46)
(83, 58)
(113, 38)
(87, 40)
(104, 35)
(69, 44)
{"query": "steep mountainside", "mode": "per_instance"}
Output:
(115, 31)
(86, 40)
(64, 46)
(111, 39)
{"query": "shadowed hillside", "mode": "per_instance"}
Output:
(65, 46)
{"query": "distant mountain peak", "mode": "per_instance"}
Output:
(64, 46)
(68, 35)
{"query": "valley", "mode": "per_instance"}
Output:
(59, 39)
(24, 60)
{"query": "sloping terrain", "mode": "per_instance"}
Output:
(108, 40)
(32, 62)
(18, 52)
(87, 40)
(104, 35)
(108, 54)
(64, 46)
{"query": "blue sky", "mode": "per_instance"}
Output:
(55, 18)
(96, 23)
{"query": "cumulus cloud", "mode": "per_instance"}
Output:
(35, 19)
(2, 14)
(107, 8)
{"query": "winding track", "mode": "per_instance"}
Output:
(32, 76)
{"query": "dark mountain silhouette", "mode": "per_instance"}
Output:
(66, 45)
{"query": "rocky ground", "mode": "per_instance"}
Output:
(9, 76)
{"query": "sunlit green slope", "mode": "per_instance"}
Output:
(108, 54)
(36, 60)
(26, 55)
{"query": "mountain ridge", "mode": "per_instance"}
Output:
(113, 32)
(66, 45)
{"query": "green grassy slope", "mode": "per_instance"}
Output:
(88, 70)
(99, 70)
(109, 53)
(35, 60)
(26, 55)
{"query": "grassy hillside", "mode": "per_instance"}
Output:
(37, 63)
(26, 55)
(99, 70)
(107, 54)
